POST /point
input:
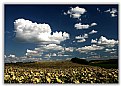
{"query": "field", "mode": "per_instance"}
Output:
(58, 72)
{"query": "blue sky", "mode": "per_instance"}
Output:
(62, 31)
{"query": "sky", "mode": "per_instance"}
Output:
(60, 32)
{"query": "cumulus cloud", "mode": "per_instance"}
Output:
(75, 12)
(78, 10)
(40, 50)
(48, 51)
(113, 15)
(112, 11)
(5, 56)
(109, 42)
(52, 47)
(54, 54)
(94, 41)
(82, 36)
(69, 49)
(28, 31)
(81, 40)
(105, 42)
(49, 55)
(109, 10)
(14, 59)
(85, 35)
(110, 50)
(81, 26)
(12, 55)
(32, 53)
(84, 26)
(92, 32)
(75, 15)
(98, 10)
(90, 48)
(79, 37)
(93, 24)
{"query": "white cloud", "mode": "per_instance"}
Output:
(98, 9)
(5, 56)
(112, 11)
(75, 12)
(47, 56)
(94, 41)
(50, 55)
(20, 59)
(81, 26)
(12, 55)
(54, 54)
(79, 37)
(85, 36)
(110, 50)
(92, 32)
(78, 10)
(52, 47)
(82, 36)
(84, 26)
(69, 49)
(65, 13)
(108, 10)
(93, 53)
(93, 24)
(40, 50)
(50, 50)
(32, 53)
(66, 55)
(81, 40)
(75, 15)
(90, 48)
(33, 32)
(113, 15)
(104, 41)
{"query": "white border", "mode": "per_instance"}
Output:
(2, 2)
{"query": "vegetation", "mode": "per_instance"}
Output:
(80, 61)
(111, 63)
(58, 72)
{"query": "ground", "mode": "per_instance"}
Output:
(58, 72)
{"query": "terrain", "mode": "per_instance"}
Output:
(60, 72)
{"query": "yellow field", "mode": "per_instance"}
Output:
(58, 72)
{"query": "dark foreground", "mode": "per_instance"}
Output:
(58, 72)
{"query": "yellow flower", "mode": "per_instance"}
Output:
(13, 77)
(12, 73)
(6, 77)
(48, 79)
(115, 75)
(89, 75)
(48, 74)
(109, 74)
(77, 81)
(91, 81)
(58, 80)
(36, 80)
(21, 77)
